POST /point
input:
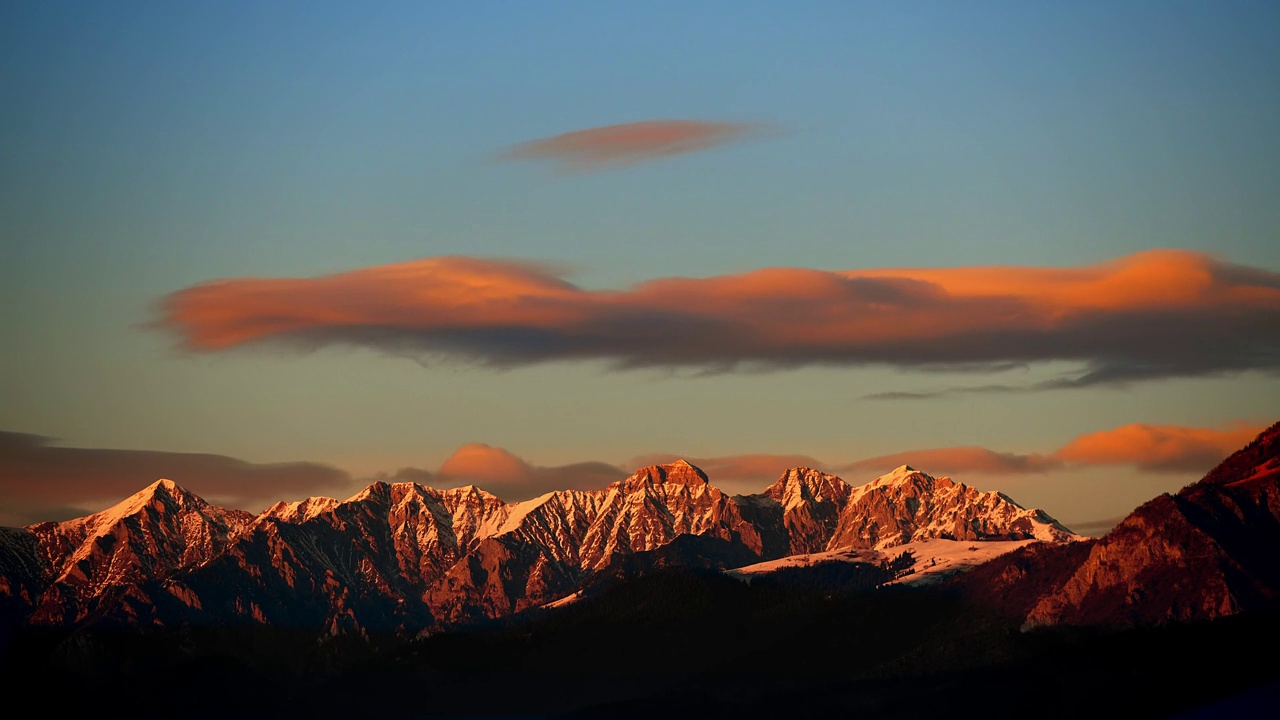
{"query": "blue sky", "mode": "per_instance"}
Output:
(148, 147)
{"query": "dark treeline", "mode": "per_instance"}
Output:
(669, 642)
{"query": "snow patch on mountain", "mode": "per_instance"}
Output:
(935, 559)
(809, 560)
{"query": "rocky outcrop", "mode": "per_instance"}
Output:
(908, 505)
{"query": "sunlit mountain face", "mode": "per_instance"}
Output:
(639, 360)
(407, 558)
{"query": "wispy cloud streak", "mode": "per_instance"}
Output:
(40, 481)
(959, 461)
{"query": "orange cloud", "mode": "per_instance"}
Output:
(1162, 313)
(627, 143)
(1160, 448)
(958, 461)
(480, 462)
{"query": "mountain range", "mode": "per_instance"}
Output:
(402, 557)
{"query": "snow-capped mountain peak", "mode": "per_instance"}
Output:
(807, 483)
(300, 510)
(907, 504)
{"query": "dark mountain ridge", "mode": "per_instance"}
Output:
(1207, 551)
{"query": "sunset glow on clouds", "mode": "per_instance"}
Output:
(1160, 313)
(1159, 448)
(627, 143)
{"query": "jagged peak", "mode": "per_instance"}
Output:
(904, 474)
(470, 490)
(300, 510)
(163, 491)
(164, 487)
(822, 485)
(378, 488)
(402, 491)
(680, 472)
(801, 472)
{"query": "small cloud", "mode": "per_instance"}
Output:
(480, 462)
(613, 145)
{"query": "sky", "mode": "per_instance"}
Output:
(283, 249)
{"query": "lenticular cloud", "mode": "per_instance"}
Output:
(1155, 314)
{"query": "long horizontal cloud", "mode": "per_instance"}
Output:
(600, 147)
(1147, 448)
(1161, 313)
(959, 461)
(40, 481)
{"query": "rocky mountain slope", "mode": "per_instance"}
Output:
(908, 505)
(401, 557)
(1207, 551)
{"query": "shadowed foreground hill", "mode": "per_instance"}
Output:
(680, 643)
(1208, 551)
